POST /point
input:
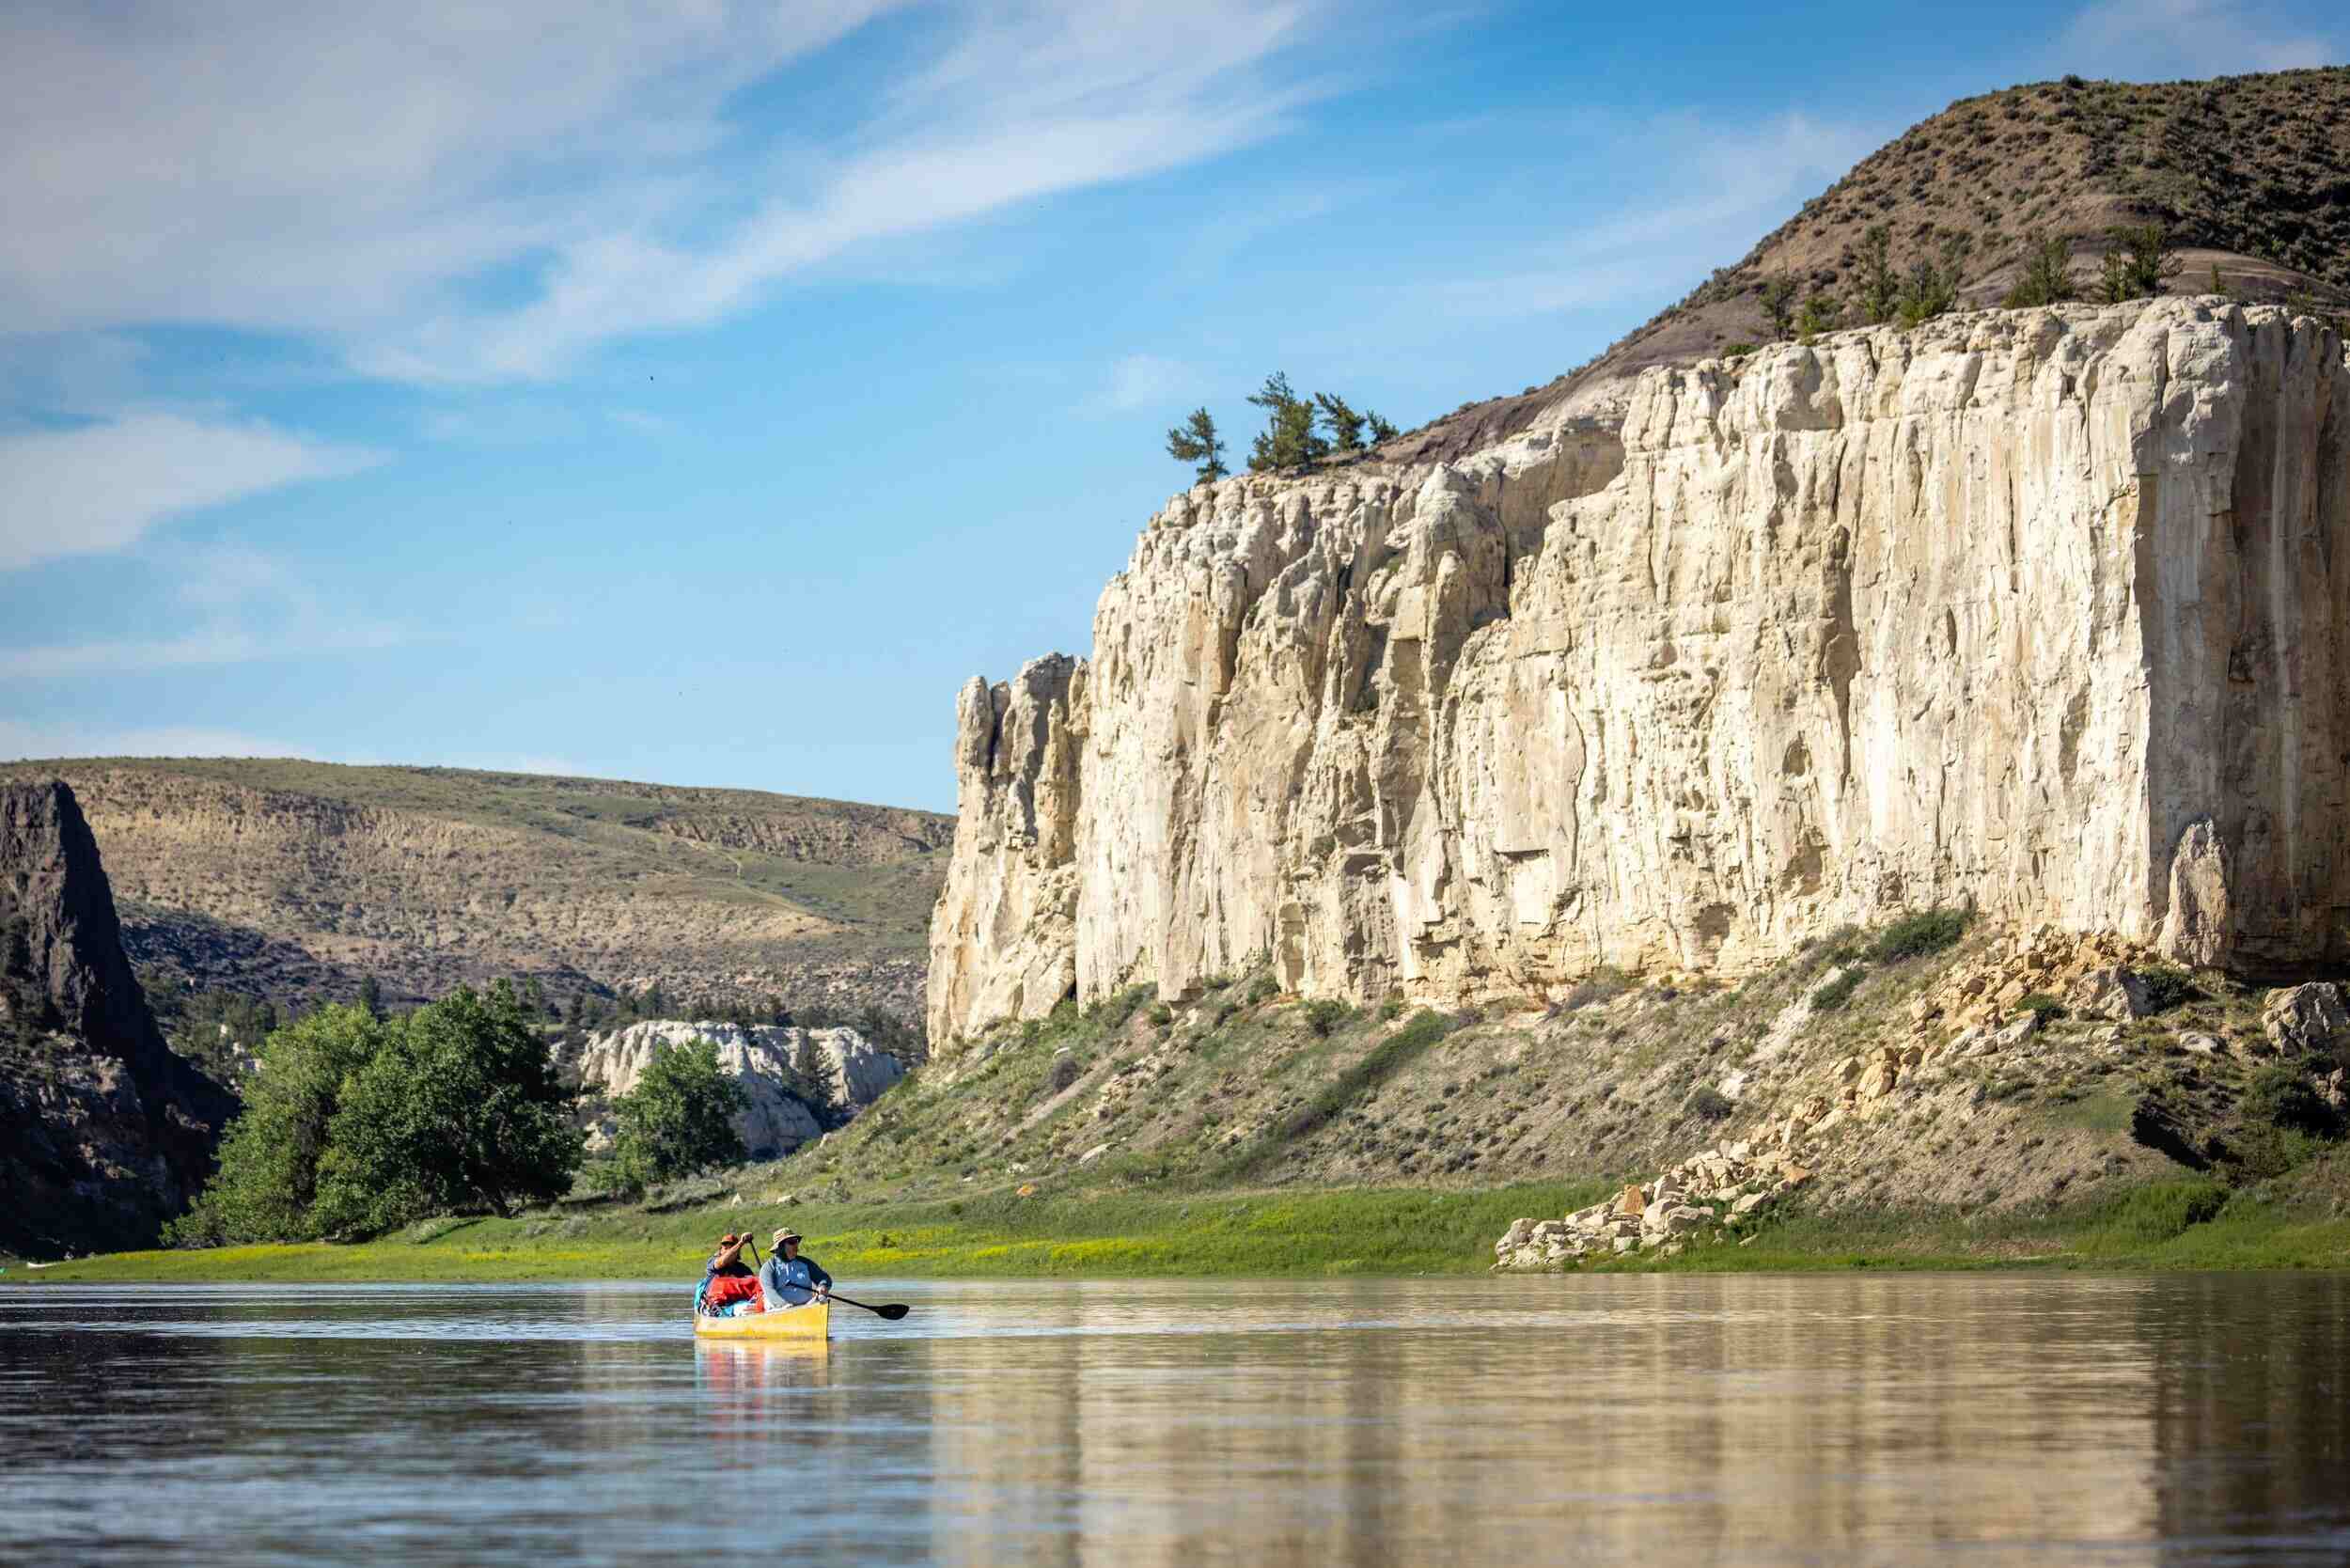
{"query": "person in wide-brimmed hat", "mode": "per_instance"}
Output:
(790, 1280)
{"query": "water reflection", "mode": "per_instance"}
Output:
(1632, 1419)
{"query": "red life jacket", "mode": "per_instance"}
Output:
(728, 1288)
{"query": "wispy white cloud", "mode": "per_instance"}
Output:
(461, 194)
(241, 605)
(2163, 39)
(98, 488)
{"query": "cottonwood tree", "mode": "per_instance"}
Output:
(268, 1176)
(678, 1119)
(1195, 440)
(460, 1107)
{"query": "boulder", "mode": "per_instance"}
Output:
(2308, 1020)
(2110, 992)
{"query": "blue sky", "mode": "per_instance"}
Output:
(702, 393)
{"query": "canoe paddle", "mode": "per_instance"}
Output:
(890, 1313)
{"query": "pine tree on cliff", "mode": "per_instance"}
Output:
(1288, 440)
(1380, 429)
(1346, 426)
(1195, 440)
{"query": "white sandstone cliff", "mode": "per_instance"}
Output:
(770, 1064)
(2035, 609)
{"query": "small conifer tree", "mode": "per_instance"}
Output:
(1380, 430)
(2047, 276)
(1195, 440)
(1820, 313)
(1288, 440)
(1779, 306)
(1345, 425)
(2141, 258)
(1880, 284)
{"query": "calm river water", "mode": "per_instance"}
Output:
(1976, 1419)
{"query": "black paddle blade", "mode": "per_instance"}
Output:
(895, 1310)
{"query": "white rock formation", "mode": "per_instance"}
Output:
(768, 1061)
(2041, 609)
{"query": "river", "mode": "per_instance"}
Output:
(1669, 1420)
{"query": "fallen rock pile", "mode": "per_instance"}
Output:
(1720, 1189)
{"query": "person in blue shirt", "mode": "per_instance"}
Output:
(789, 1280)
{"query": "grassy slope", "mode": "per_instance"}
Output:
(1250, 1134)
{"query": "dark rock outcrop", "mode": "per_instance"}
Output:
(105, 1133)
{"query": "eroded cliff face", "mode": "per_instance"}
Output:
(105, 1133)
(2037, 609)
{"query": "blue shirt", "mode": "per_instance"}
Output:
(791, 1284)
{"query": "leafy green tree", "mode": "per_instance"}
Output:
(1195, 440)
(1880, 284)
(2047, 276)
(1779, 306)
(678, 1119)
(460, 1109)
(1288, 439)
(2142, 261)
(1380, 430)
(269, 1162)
(1344, 424)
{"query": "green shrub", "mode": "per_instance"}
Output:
(1391, 1009)
(1710, 1102)
(2041, 1002)
(1929, 931)
(1832, 996)
(1265, 990)
(2168, 986)
(1737, 351)
(1162, 1014)
(2165, 1210)
(1324, 1013)
(1603, 985)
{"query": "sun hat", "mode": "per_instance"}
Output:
(784, 1233)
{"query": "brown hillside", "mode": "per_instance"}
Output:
(292, 881)
(2253, 174)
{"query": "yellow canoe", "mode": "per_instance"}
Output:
(813, 1321)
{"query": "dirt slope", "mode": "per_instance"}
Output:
(293, 880)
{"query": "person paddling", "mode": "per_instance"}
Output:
(728, 1280)
(790, 1280)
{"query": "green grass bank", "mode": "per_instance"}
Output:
(2179, 1225)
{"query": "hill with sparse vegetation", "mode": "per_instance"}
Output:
(297, 881)
(2248, 175)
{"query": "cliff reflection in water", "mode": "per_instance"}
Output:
(1524, 1420)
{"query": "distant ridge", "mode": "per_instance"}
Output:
(296, 880)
